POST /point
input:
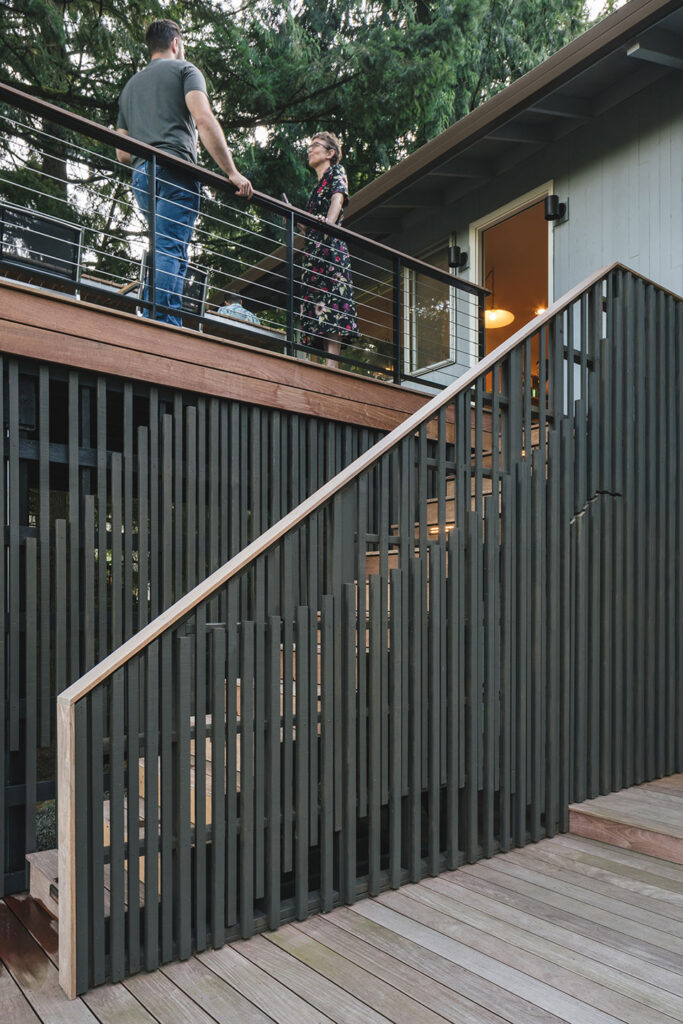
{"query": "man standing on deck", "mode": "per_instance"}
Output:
(161, 105)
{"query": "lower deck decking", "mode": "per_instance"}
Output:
(569, 929)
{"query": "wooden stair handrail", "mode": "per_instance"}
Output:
(149, 633)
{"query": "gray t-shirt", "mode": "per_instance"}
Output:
(152, 107)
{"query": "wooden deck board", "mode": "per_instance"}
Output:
(555, 987)
(647, 818)
(523, 938)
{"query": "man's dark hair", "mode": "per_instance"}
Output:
(161, 34)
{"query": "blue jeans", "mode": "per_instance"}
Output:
(177, 207)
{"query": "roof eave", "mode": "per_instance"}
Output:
(591, 46)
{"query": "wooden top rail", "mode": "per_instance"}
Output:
(81, 687)
(80, 124)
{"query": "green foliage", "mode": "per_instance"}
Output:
(387, 75)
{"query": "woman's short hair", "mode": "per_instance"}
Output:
(161, 34)
(331, 142)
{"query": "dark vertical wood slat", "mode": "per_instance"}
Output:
(606, 527)
(335, 526)
(30, 689)
(128, 467)
(167, 891)
(201, 488)
(288, 714)
(406, 558)
(44, 530)
(474, 690)
(478, 446)
(539, 642)
(526, 398)
(216, 477)
(190, 547)
(582, 535)
(567, 580)
(175, 508)
(74, 528)
(454, 677)
(650, 550)
(383, 528)
(184, 677)
(116, 556)
(508, 646)
(89, 607)
(397, 579)
(166, 513)
(154, 495)
(416, 712)
(302, 763)
(259, 571)
(198, 706)
(117, 942)
(594, 666)
(640, 531)
(442, 539)
(628, 632)
(232, 758)
(222, 774)
(523, 655)
(349, 734)
(247, 780)
(555, 605)
(60, 606)
(152, 782)
(671, 535)
(434, 708)
(143, 526)
(327, 753)
(273, 869)
(422, 496)
(133, 815)
(13, 562)
(677, 329)
(491, 669)
(661, 505)
(374, 735)
(96, 772)
(361, 576)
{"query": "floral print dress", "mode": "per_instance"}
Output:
(327, 304)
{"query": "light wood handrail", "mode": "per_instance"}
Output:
(217, 579)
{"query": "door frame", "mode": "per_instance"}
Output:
(490, 220)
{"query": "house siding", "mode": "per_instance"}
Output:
(622, 174)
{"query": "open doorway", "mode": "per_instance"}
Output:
(513, 250)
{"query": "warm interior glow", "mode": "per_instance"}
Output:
(498, 317)
(539, 310)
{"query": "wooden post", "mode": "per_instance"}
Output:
(66, 761)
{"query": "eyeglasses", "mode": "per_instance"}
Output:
(316, 145)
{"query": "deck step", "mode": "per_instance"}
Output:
(646, 818)
(43, 880)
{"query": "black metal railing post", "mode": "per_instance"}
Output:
(396, 354)
(152, 223)
(290, 282)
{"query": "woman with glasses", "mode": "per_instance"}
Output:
(328, 309)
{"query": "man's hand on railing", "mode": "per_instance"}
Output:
(242, 184)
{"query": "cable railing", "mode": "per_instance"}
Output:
(69, 221)
(423, 663)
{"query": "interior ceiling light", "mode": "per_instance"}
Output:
(494, 317)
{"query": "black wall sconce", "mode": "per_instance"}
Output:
(554, 209)
(457, 257)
